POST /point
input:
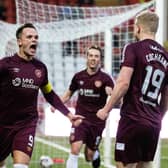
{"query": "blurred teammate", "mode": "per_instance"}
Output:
(93, 86)
(21, 77)
(143, 82)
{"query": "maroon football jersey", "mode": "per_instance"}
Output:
(91, 93)
(150, 63)
(20, 81)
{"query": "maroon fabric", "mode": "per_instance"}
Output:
(150, 63)
(20, 81)
(135, 142)
(91, 93)
(141, 117)
(21, 138)
(91, 135)
(56, 102)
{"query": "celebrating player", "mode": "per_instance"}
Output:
(143, 82)
(21, 76)
(93, 86)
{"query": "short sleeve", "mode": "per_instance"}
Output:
(128, 56)
(73, 85)
(110, 81)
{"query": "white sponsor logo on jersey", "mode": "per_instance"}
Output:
(16, 82)
(24, 82)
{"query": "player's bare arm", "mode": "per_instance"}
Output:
(164, 100)
(66, 96)
(118, 92)
(108, 90)
(76, 120)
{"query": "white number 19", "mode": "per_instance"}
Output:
(156, 77)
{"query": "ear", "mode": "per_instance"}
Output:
(138, 29)
(19, 42)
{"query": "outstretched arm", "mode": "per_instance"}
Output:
(56, 102)
(64, 98)
(120, 88)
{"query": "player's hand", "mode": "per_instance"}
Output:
(102, 114)
(76, 120)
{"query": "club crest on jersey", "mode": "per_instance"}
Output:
(98, 83)
(38, 73)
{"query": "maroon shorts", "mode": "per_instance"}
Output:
(135, 142)
(21, 139)
(91, 135)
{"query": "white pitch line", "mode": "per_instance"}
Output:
(55, 145)
(63, 149)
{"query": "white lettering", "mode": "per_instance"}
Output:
(157, 57)
(31, 140)
(30, 81)
(88, 93)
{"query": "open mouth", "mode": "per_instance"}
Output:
(33, 46)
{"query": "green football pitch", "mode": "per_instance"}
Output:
(58, 148)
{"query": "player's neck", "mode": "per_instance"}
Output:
(24, 56)
(92, 71)
(147, 36)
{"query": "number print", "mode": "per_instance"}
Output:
(31, 139)
(154, 78)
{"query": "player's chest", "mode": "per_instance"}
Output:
(25, 76)
(90, 84)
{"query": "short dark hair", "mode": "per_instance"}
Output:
(20, 29)
(96, 48)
